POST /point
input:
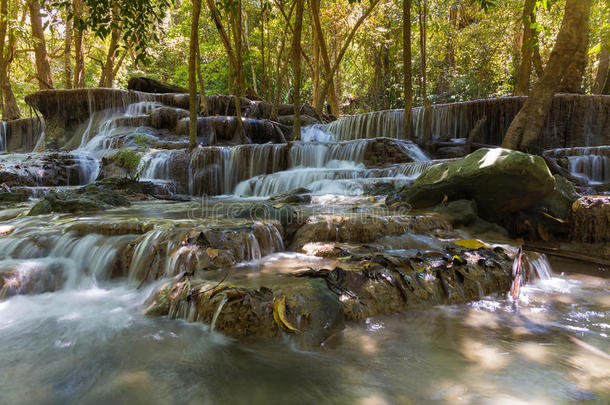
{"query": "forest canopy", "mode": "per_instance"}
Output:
(473, 48)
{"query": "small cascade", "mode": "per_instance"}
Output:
(218, 310)
(3, 137)
(387, 124)
(572, 120)
(592, 164)
(142, 258)
(304, 154)
(540, 267)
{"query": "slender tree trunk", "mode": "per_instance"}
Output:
(317, 100)
(8, 103)
(263, 65)
(106, 78)
(527, 45)
(602, 71)
(68, 54)
(280, 69)
(296, 67)
(330, 74)
(247, 51)
(525, 129)
(406, 59)
(45, 79)
(203, 104)
(193, 73)
(79, 59)
(423, 34)
(237, 37)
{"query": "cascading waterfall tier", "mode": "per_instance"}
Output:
(573, 120)
(591, 164)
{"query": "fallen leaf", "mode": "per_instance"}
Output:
(470, 243)
(278, 206)
(213, 253)
(457, 258)
(372, 199)
(344, 258)
(546, 214)
(279, 315)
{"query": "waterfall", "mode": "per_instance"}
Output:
(572, 120)
(3, 137)
(540, 267)
(592, 164)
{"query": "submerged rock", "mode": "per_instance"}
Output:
(310, 305)
(296, 196)
(500, 181)
(12, 198)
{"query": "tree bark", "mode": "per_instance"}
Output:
(79, 59)
(192, 74)
(407, 73)
(423, 33)
(572, 79)
(107, 78)
(45, 79)
(8, 103)
(296, 67)
(203, 104)
(526, 127)
(602, 71)
(68, 54)
(263, 65)
(527, 45)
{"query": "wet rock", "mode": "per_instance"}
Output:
(12, 198)
(362, 229)
(500, 181)
(310, 312)
(20, 135)
(285, 214)
(92, 198)
(289, 120)
(590, 220)
(47, 169)
(167, 117)
(33, 277)
(148, 85)
(296, 196)
(559, 202)
(169, 250)
(379, 188)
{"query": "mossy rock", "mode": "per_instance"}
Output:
(92, 199)
(500, 181)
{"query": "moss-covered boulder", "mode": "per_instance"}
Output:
(500, 181)
(91, 198)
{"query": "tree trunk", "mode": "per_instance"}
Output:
(263, 66)
(406, 59)
(68, 54)
(247, 51)
(193, 73)
(203, 104)
(330, 73)
(8, 103)
(602, 71)
(296, 67)
(525, 129)
(423, 34)
(572, 79)
(527, 45)
(106, 78)
(45, 79)
(79, 59)
(318, 102)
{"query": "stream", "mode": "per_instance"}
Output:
(91, 344)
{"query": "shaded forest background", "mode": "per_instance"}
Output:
(474, 49)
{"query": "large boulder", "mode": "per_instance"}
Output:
(590, 220)
(500, 181)
(148, 85)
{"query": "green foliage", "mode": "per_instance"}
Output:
(129, 160)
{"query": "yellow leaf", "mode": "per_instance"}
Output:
(552, 217)
(470, 244)
(458, 258)
(345, 257)
(213, 253)
(278, 206)
(372, 199)
(279, 315)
